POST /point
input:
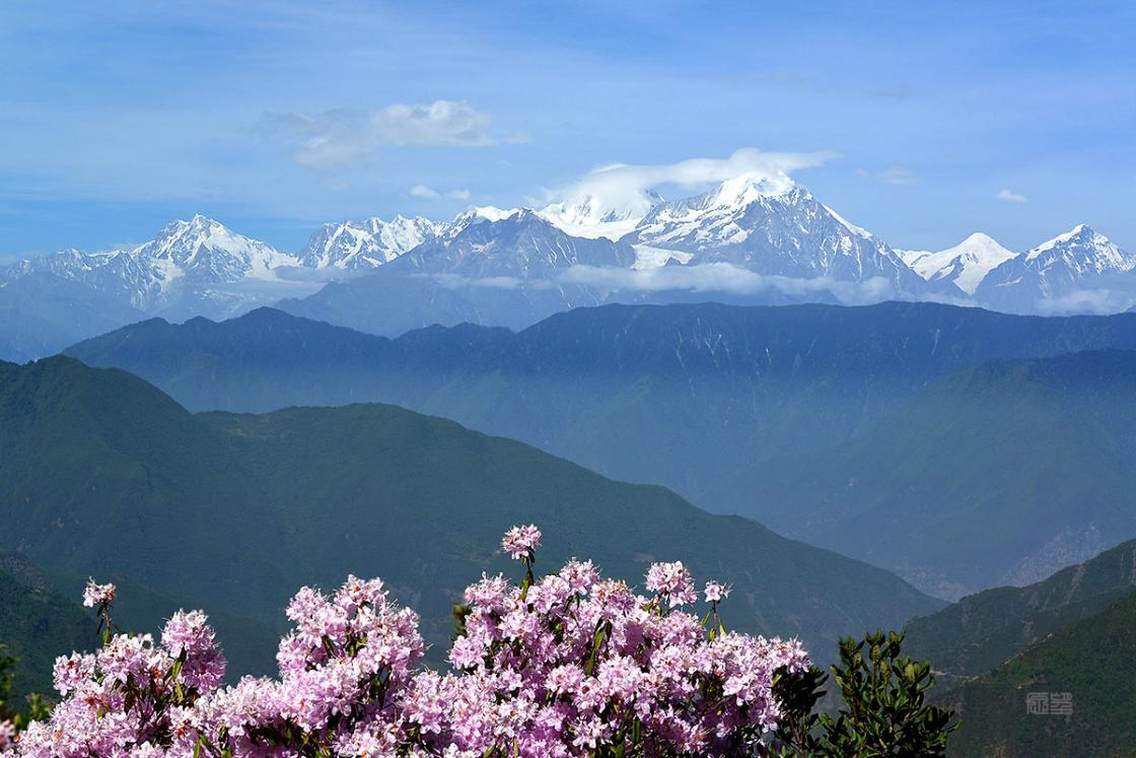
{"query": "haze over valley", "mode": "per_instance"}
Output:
(586, 380)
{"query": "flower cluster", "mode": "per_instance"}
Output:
(521, 541)
(96, 595)
(568, 665)
(129, 696)
(716, 592)
(580, 663)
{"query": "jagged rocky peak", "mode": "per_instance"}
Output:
(1083, 249)
(369, 243)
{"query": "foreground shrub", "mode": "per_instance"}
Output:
(565, 665)
(12, 719)
(884, 710)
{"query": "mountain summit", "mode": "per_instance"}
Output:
(774, 227)
(591, 216)
(206, 249)
(1078, 270)
(966, 264)
(1081, 250)
(367, 244)
(189, 269)
(522, 245)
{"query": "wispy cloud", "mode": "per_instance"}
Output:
(1011, 197)
(426, 192)
(1099, 301)
(333, 138)
(727, 279)
(899, 175)
(457, 281)
(623, 185)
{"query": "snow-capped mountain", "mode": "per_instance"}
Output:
(966, 264)
(206, 251)
(517, 244)
(491, 266)
(470, 216)
(774, 227)
(197, 267)
(1081, 251)
(750, 239)
(591, 216)
(1080, 270)
(353, 245)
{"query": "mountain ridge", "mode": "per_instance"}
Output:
(1067, 694)
(1080, 268)
(741, 409)
(982, 631)
(749, 239)
(89, 451)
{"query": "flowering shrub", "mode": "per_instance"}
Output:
(570, 664)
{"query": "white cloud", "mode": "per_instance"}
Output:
(624, 188)
(426, 192)
(1098, 301)
(337, 137)
(897, 175)
(724, 278)
(1011, 197)
(457, 281)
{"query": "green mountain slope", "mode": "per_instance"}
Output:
(883, 431)
(1000, 474)
(1093, 661)
(37, 624)
(680, 395)
(101, 473)
(979, 632)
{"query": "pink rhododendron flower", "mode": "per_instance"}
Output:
(672, 581)
(520, 541)
(97, 594)
(716, 592)
(561, 666)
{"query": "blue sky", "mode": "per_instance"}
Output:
(937, 119)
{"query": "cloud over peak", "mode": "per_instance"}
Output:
(629, 186)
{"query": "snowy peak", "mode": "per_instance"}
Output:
(517, 245)
(366, 244)
(1078, 271)
(206, 248)
(1082, 250)
(196, 263)
(966, 264)
(742, 190)
(475, 215)
(774, 227)
(725, 201)
(485, 213)
(591, 216)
